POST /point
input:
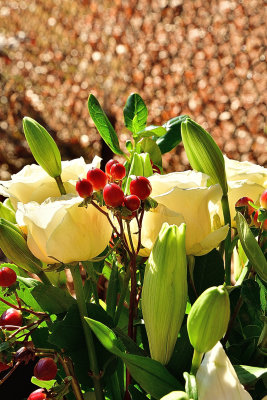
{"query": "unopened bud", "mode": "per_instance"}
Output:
(175, 396)
(43, 147)
(208, 318)
(165, 278)
(15, 248)
(7, 213)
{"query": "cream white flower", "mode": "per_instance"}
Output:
(245, 179)
(217, 379)
(32, 183)
(185, 194)
(59, 228)
(245, 171)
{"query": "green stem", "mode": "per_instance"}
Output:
(78, 287)
(244, 273)
(42, 275)
(227, 242)
(115, 387)
(122, 296)
(196, 361)
(60, 185)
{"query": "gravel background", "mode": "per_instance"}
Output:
(197, 57)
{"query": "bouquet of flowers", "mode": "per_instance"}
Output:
(169, 270)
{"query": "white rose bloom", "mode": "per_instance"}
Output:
(217, 379)
(245, 171)
(61, 229)
(184, 194)
(32, 183)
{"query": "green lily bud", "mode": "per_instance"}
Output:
(7, 213)
(140, 166)
(203, 153)
(14, 246)
(164, 293)
(43, 147)
(208, 318)
(177, 395)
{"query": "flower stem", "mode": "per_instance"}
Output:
(227, 242)
(60, 185)
(78, 286)
(196, 361)
(42, 275)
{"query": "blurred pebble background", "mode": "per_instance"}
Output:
(197, 57)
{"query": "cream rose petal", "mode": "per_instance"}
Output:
(245, 170)
(152, 223)
(217, 379)
(193, 204)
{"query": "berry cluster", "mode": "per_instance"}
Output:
(249, 211)
(110, 182)
(11, 319)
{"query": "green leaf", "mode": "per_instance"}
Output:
(136, 394)
(152, 130)
(152, 376)
(43, 384)
(43, 147)
(68, 335)
(173, 136)
(208, 271)
(103, 125)
(263, 295)
(251, 247)
(113, 290)
(248, 375)
(203, 153)
(7, 213)
(135, 113)
(149, 146)
(52, 299)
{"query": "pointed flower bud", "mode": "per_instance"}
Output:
(217, 379)
(7, 213)
(203, 153)
(208, 318)
(43, 147)
(15, 248)
(165, 278)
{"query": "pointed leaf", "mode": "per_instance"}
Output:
(172, 136)
(248, 375)
(135, 113)
(103, 125)
(251, 247)
(152, 130)
(149, 146)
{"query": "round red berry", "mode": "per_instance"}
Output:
(11, 317)
(118, 171)
(156, 169)
(132, 202)
(141, 187)
(109, 165)
(45, 369)
(263, 199)
(113, 195)
(38, 394)
(4, 367)
(97, 178)
(258, 223)
(7, 277)
(84, 188)
(243, 202)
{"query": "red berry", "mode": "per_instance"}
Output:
(258, 223)
(263, 199)
(11, 317)
(243, 202)
(3, 366)
(156, 169)
(45, 369)
(97, 178)
(117, 171)
(38, 394)
(132, 202)
(109, 165)
(84, 188)
(141, 187)
(7, 277)
(113, 195)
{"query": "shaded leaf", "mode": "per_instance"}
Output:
(173, 136)
(248, 375)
